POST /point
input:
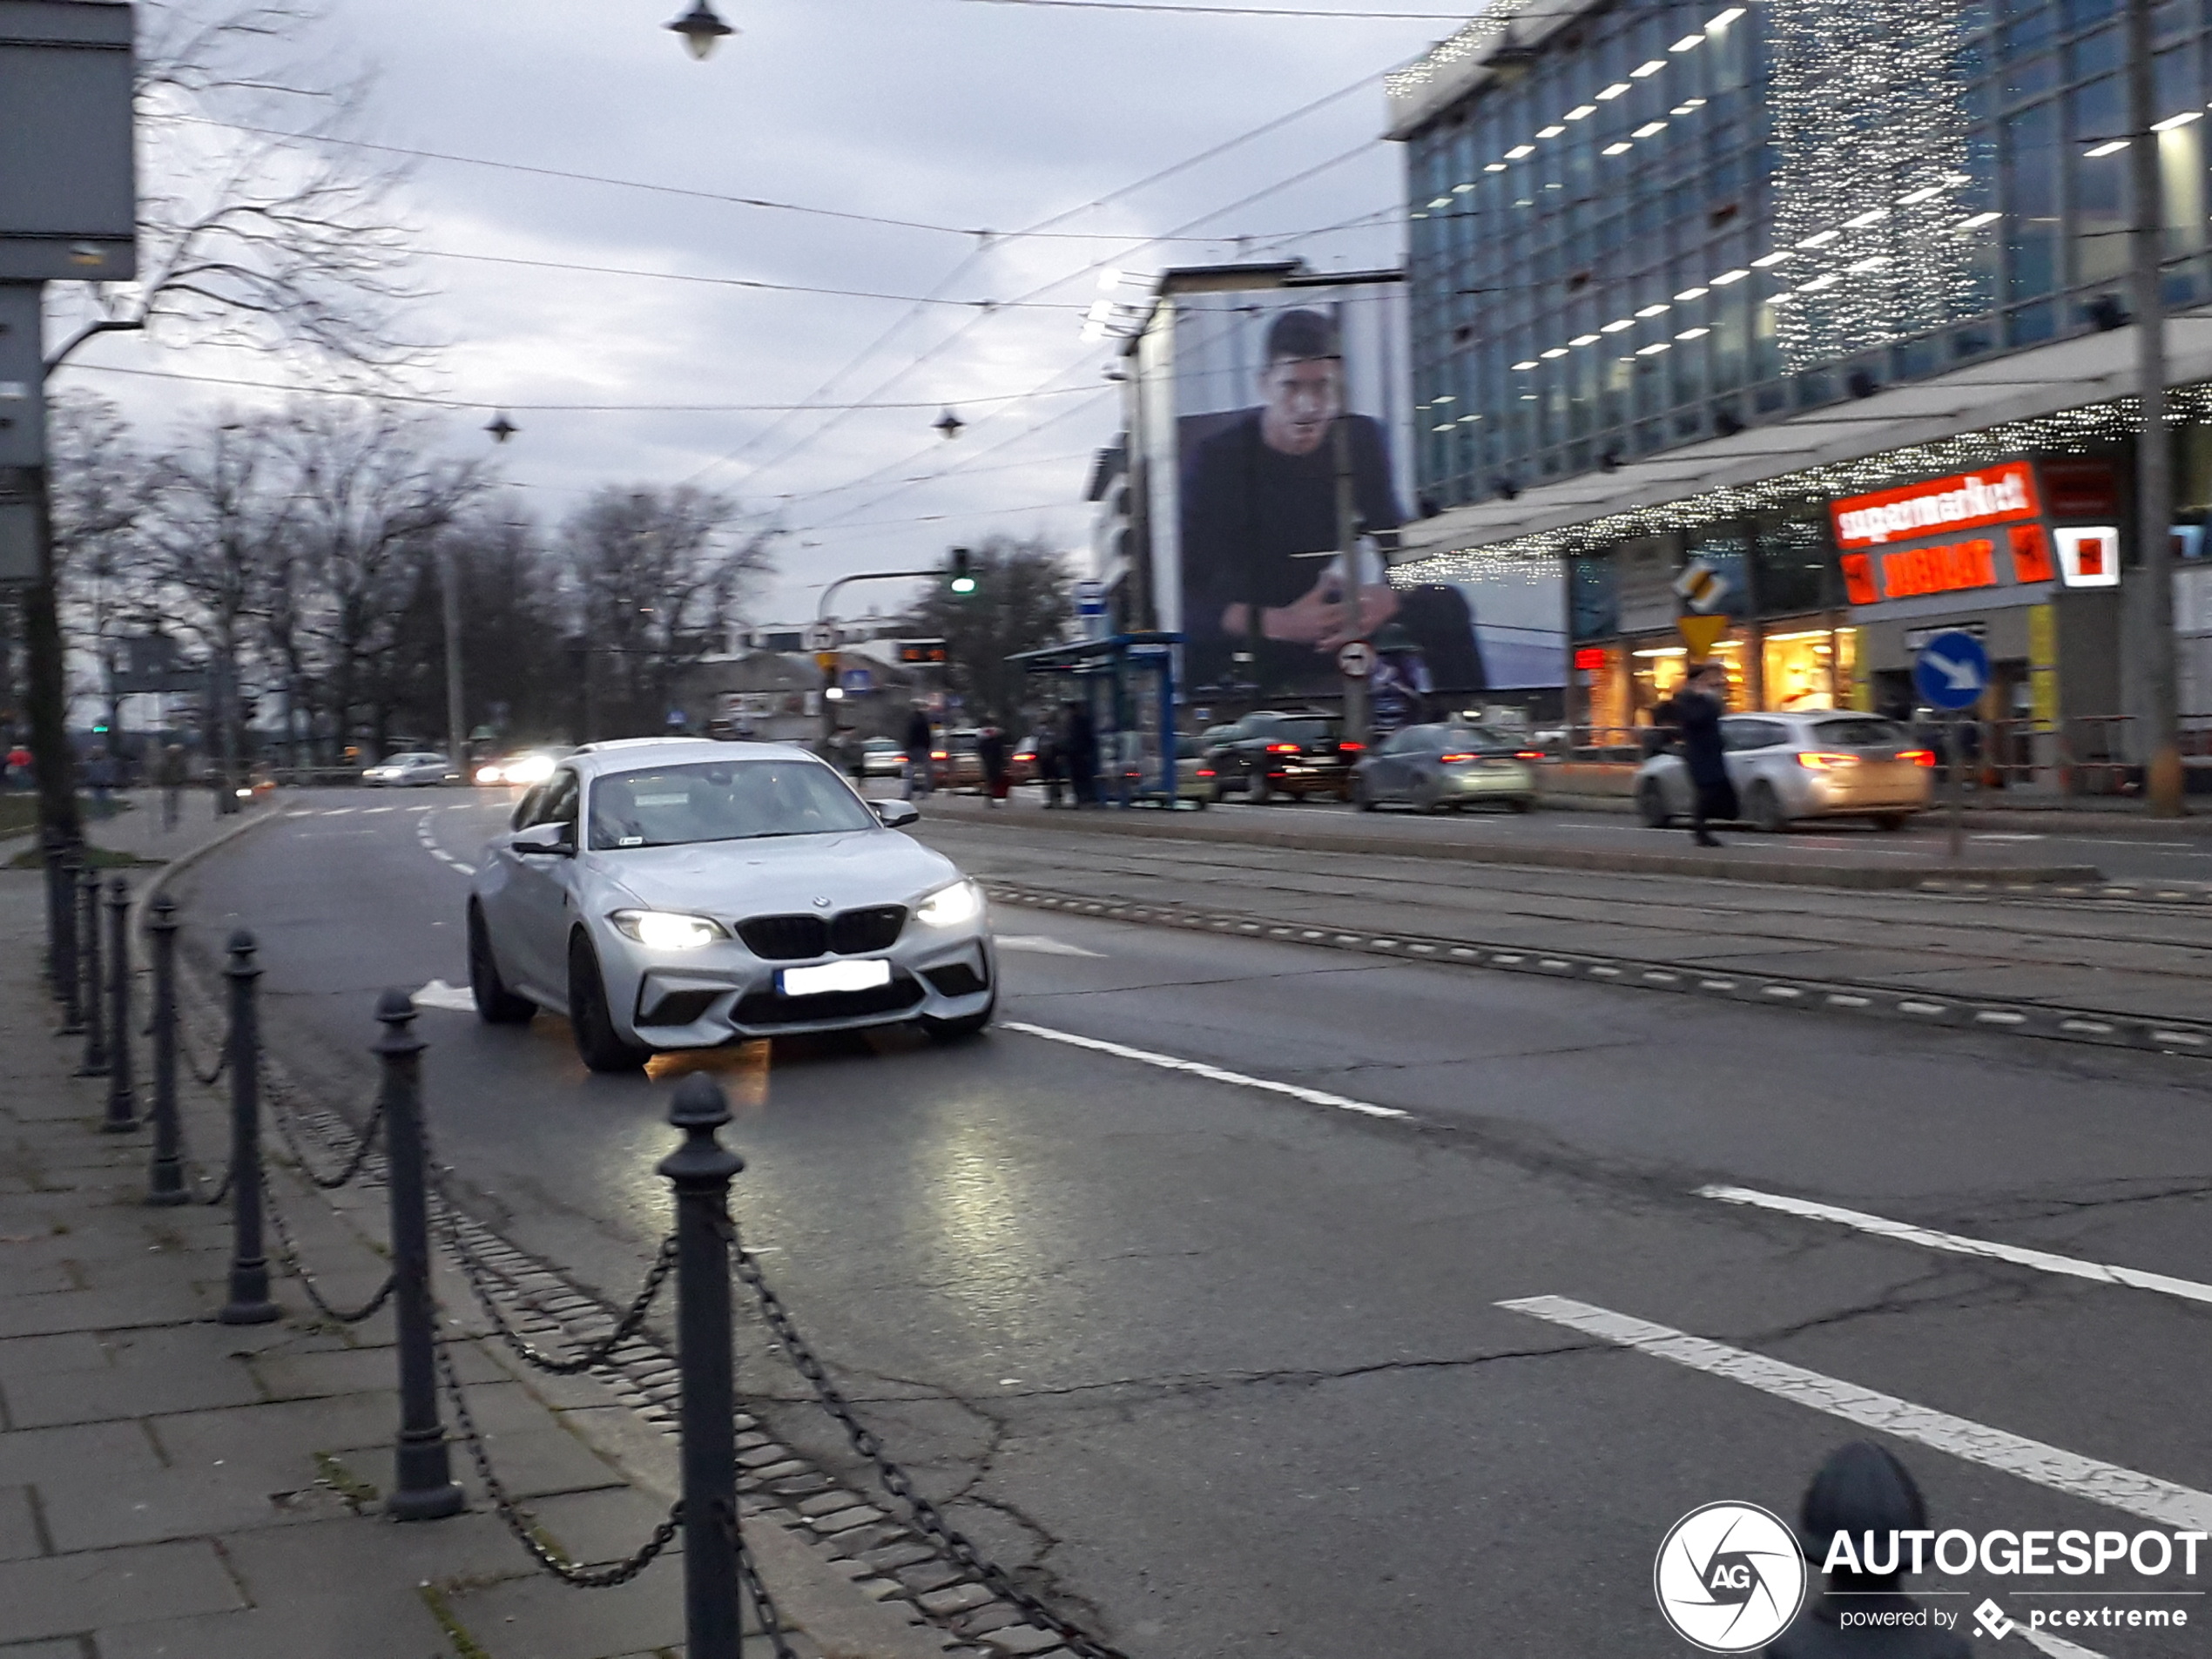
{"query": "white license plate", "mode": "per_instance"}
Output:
(834, 977)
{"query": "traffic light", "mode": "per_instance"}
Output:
(964, 579)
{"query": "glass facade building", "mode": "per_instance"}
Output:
(1637, 224)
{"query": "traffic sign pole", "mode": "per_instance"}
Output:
(1958, 792)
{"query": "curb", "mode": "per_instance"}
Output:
(1760, 872)
(185, 860)
(1914, 1005)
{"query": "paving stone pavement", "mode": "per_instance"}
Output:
(175, 1488)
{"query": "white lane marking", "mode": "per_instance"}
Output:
(1958, 1244)
(1042, 945)
(2160, 1501)
(336, 811)
(301, 812)
(455, 999)
(371, 811)
(422, 834)
(1199, 1068)
(2004, 835)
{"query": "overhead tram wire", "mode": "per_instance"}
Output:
(738, 282)
(1042, 227)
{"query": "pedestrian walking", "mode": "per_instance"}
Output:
(1695, 711)
(1052, 769)
(100, 777)
(990, 750)
(168, 773)
(1079, 749)
(920, 771)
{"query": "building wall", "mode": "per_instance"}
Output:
(1804, 200)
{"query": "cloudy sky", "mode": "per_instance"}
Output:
(961, 114)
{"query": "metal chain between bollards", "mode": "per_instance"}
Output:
(474, 1271)
(364, 1144)
(950, 1541)
(288, 1255)
(764, 1613)
(524, 1527)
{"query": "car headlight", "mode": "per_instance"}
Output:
(667, 929)
(949, 907)
(533, 769)
(488, 774)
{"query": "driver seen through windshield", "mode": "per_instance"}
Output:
(722, 801)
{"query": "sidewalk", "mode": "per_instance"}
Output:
(175, 1488)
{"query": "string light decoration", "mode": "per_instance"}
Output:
(1869, 127)
(1405, 86)
(2079, 431)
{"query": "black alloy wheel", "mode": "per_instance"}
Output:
(590, 1022)
(495, 1004)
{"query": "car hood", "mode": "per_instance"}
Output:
(776, 874)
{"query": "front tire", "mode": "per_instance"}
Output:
(597, 1044)
(1256, 789)
(1360, 797)
(1651, 806)
(495, 1004)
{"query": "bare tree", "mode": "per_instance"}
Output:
(368, 501)
(253, 228)
(1024, 599)
(103, 488)
(657, 574)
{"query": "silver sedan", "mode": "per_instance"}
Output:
(1827, 763)
(1436, 767)
(679, 893)
(410, 771)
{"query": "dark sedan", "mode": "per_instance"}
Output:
(1269, 754)
(1433, 767)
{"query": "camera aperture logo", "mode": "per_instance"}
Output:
(1730, 1577)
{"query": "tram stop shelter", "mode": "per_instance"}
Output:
(1127, 681)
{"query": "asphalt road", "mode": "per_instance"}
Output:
(1227, 1366)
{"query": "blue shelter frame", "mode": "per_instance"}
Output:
(1109, 675)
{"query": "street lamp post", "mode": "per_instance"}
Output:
(2154, 451)
(822, 620)
(456, 730)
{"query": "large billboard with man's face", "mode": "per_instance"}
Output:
(1281, 480)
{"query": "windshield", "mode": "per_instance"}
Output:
(720, 800)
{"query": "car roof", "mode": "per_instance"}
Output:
(633, 754)
(1806, 715)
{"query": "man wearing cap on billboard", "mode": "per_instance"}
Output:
(1260, 518)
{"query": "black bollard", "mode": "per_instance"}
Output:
(700, 1169)
(51, 850)
(66, 968)
(249, 1303)
(426, 1488)
(94, 1063)
(165, 1176)
(122, 1095)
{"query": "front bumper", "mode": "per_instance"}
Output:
(702, 999)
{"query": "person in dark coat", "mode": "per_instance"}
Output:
(921, 773)
(1864, 1492)
(1695, 711)
(1079, 750)
(990, 751)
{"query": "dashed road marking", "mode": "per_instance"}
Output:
(2162, 1502)
(1960, 1244)
(1200, 1069)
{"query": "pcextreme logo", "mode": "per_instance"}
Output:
(1730, 1577)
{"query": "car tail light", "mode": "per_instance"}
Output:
(1282, 748)
(1917, 757)
(1205, 772)
(1025, 755)
(1352, 748)
(939, 754)
(1814, 760)
(1453, 760)
(1528, 754)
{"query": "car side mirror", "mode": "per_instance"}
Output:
(546, 840)
(896, 814)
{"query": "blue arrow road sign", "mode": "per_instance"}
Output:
(1952, 670)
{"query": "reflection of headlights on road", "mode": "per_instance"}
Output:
(488, 774)
(667, 930)
(948, 907)
(531, 769)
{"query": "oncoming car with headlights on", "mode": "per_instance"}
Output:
(673, 893)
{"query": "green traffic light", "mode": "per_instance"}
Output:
(963, 584)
